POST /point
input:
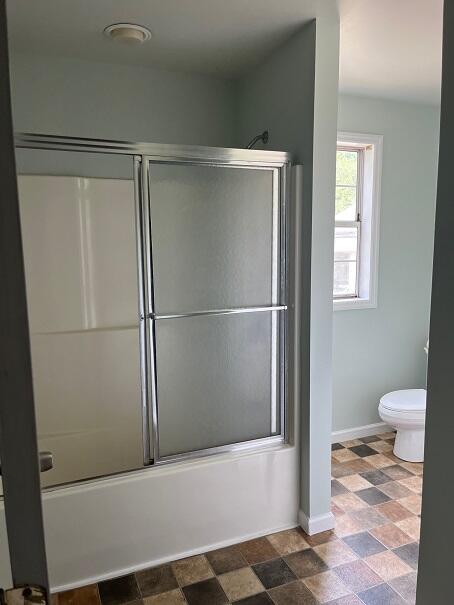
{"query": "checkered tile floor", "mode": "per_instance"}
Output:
(369, 559)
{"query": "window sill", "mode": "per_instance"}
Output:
(349, 304)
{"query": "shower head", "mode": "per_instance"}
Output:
(260, 137)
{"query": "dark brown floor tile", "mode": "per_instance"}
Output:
(406, 586)
(363, 450)
(274, 573)
(156, 580)
(357, 576)
(321, 538)
(336, 446)
(376, 477)
(364, 544)
(337, 488)
(208, 592)
(305, 563)
(257, 551)
(226, 559)
(397, 472)
(119, 591)
(373, 496)
(258, 599)
(370, 439)
(87, 595)
(295, 593)
(409, 553)
(381, 595)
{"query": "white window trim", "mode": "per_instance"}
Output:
(370, 227)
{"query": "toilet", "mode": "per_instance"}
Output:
(405, 411)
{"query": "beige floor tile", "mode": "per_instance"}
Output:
(86, 595)
(379, 461)
(381, 446)
(395, 490)
(349, 502)
(393, 510)
(414, 467)
(388, 565)
(412, 483)
(412, 503)
(391, 535)
(354, 483)
(351, 443)
(337, 512)
(172, 597)
(335, 553)
(191, 570)
(392, 457)
(286, 542)
(326, 587)
(344, 455)
(411, 526)
(240, 584)
(346, 525)
(389, 435)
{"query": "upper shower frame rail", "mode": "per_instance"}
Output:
(177, 153)
(143, 154)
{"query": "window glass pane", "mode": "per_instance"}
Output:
(346, 167)
(218, 380)
(345, 243)
(344, 278)
(345, 203)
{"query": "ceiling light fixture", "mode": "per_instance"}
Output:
(128, 33)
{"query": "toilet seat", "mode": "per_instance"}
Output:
(405, 401)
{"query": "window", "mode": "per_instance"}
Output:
(358, 169)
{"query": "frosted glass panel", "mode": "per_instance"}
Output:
(217, 380)
(212, 233)
(81, 275)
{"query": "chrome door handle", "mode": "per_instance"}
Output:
(46, 462)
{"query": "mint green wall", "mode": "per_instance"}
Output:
(379, 350)
(59, 95)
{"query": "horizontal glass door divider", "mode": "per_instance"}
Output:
(218, 312)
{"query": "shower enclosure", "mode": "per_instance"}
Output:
(157, 293)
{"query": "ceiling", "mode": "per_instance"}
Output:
(392, 48)
(216, 37)
(389, 48)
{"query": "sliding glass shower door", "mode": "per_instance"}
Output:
(218, 277)
(156, 286)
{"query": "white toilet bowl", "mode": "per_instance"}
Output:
(405, 411)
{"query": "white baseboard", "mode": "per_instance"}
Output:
(317, 524)
(359, 431)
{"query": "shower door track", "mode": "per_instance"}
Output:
(144, 154)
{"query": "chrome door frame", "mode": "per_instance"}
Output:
(142, 155)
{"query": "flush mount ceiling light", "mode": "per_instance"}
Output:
(128, 33)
